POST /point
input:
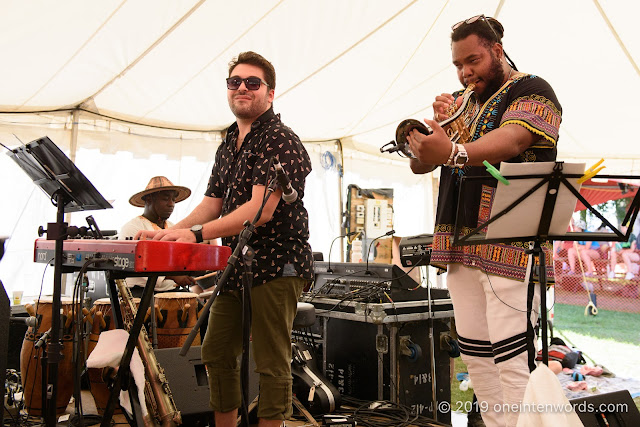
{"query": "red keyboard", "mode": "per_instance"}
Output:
(137, 256)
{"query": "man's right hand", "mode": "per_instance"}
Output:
(442, 104)
(182, 281)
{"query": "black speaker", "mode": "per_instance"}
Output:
(615, 409)
(189, 382)
(187, 378)
(5, 313)
(17, 331)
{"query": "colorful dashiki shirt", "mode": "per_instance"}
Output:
(525, 100)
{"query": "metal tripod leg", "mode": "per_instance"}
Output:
(295, 402)
(304, 411)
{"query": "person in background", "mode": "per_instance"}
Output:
(576, 252)
(627, 251)
(587, 251)
(158, 200)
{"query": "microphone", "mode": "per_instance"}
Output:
(73, 231)
(42, 339)
(329, 270)
(289, 194)
(93, 226)
(388, 233)
(30, 321)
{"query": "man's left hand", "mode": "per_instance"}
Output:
(176, 235)
(433, 149)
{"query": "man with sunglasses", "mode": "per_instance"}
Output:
(494, 307)
(283, 260)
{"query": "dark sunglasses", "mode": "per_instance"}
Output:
(486, 21)
(251, 83)
(474, 19)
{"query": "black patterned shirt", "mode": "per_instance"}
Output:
(525, 100)
(281, 245)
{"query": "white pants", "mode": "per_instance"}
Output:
(494, 322)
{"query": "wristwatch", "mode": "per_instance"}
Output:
(197, 230)
(461, 158)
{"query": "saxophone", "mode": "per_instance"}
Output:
(157, 389)
(459, 120)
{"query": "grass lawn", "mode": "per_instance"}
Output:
(459, 397)
(611, 325)
(607, 325)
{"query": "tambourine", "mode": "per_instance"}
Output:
(456, 126)
(400, 144)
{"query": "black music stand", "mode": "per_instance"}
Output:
(70, 191)
(553, 181)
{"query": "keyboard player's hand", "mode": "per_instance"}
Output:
(170, 234)
(146, 234)
(182, 281)
(176, 235)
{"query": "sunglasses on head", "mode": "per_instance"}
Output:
(251, 83)
(474, 19)
(486, 21)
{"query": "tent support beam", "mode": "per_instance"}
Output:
(73, 149)
(340, 201)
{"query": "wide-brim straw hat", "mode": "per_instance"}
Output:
(156, 184)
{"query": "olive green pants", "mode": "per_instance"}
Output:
(273, 308)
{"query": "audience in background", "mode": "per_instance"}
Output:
(581, 250)
(627, 251)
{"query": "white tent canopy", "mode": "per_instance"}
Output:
(132, 89)
(346, 69)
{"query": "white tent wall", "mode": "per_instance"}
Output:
(347, 70)
(119, 158)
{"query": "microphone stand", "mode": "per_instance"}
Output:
(388, 233)
(329, 270)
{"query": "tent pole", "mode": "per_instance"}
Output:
(73, 148)
(340, 201)
(74, 135)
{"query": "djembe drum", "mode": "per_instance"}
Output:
(30, 356)
(176, 315)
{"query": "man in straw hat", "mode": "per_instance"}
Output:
(158, 201)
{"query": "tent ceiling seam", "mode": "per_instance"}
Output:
(617, 37)
(147, 51)
(404, 67)
(75, 54)
(208, 64)
(498, 9)
(349, 49)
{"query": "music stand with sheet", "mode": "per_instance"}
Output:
(546, 198)
(70, 191)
